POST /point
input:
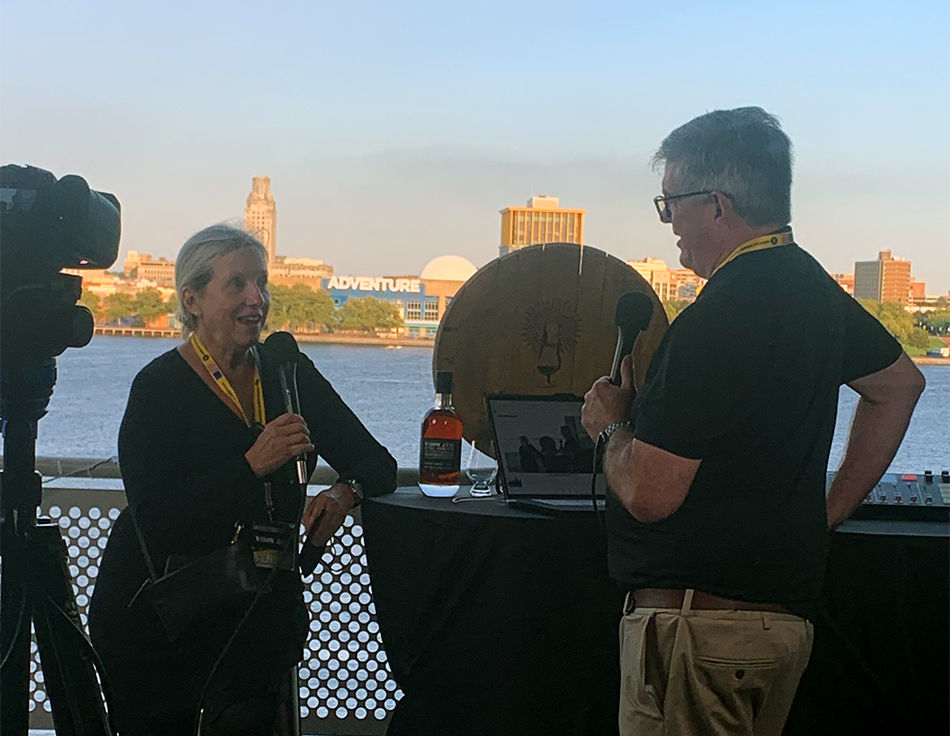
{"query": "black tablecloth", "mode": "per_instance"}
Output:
(881, 660)
(499, 621)
(495, 620)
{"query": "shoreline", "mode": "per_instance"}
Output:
(332, 339)
(398, 342)
(327, 338)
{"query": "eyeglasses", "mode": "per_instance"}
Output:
(662, 204)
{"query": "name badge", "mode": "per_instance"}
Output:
(274, 546)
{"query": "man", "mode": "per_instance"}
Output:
(718, 521)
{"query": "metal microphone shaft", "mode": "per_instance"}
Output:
(288, 389)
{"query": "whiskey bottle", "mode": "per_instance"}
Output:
(440, 453)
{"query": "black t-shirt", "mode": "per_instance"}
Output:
(747, 380)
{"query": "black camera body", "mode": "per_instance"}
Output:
(47, 225)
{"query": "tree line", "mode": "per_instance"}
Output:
(912, 329)
(296, 308)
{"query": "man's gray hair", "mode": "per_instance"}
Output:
(194, 266)
(743, 153)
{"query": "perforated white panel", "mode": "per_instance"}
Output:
(344, 674)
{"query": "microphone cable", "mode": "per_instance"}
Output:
(247, 613)
(265, 587)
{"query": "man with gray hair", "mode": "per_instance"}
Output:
(718, 520)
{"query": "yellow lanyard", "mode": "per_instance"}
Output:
(774, 240)
(260, 417)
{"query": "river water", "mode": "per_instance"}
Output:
(389, 389)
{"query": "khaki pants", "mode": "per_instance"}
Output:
(709, 673)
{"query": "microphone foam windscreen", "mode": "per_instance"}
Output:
(634, 310)
(282, 347)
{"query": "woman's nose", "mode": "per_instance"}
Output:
(254, 295)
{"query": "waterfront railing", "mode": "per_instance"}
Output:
(345, 685)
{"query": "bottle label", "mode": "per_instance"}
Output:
(441, 456)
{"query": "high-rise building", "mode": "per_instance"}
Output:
(142, 267)
(887, 279)
(656, 273)
(260, 216)
(685, 284)
(668, 283)
(845, 281)
(290, 271)
(542, 220)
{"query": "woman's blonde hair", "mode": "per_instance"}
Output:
(194, 266)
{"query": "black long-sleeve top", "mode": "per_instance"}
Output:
(181, 452)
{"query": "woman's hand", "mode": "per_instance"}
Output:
(282, 439)
(335, 503)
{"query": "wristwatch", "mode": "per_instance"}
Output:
(609, 430)
(357, 488)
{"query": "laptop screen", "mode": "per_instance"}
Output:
(542, 449)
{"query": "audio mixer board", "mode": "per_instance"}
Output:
(907, 497)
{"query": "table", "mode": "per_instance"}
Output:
(501, 621)
(495, 620)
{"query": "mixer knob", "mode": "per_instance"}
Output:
(928, 476)
(897, 499)
(913, 499)
(945, 476)
(928, 500)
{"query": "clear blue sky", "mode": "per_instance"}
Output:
(394, 132)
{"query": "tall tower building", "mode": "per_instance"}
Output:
(540, 221)
(887, 279)
(260, 216)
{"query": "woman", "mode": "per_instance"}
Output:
(205, 458)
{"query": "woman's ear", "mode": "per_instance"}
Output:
(188, 301)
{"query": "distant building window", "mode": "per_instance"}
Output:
(414, 310)
(413, 332)
(432, 309)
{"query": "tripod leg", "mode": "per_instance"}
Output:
(65, 653)
(14, 638)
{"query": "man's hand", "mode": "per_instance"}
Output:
(605, 403)
(335, 503)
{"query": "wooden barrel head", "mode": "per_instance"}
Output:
(538, 321)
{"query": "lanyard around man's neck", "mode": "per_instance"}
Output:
(260, 416)
(773, 240)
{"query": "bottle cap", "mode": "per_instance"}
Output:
(443, 382)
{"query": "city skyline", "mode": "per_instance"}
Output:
(260, 213)
(396, 134)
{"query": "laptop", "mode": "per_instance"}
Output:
(545, 457)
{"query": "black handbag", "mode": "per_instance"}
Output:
(193, 589)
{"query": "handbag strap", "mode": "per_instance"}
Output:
(148, 558)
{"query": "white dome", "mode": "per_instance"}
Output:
(448, 268)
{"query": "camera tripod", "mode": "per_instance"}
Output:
(35, 588)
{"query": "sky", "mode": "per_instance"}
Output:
(395, 132)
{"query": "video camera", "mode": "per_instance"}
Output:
(47, 225)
